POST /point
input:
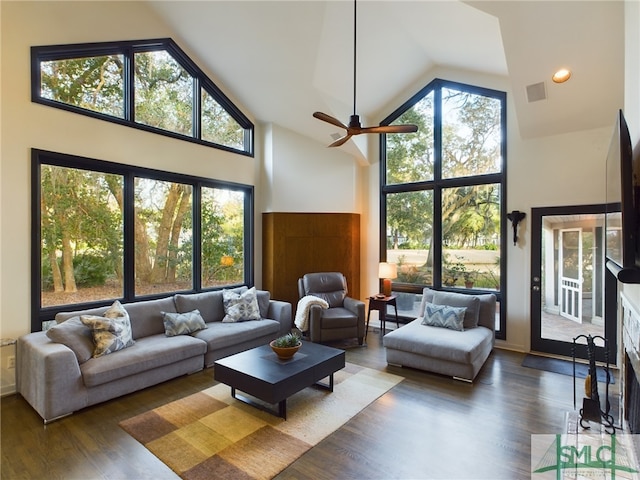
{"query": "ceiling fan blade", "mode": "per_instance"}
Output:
(391, 129)
(329, 119)
(341, 140)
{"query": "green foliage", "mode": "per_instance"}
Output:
(91, 270)
(289, 340)
(222, 235)
(93, 83)
(469, 215)
(452, 270)
(47, 276)
(163, 91)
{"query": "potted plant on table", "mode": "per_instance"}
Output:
(286, 346)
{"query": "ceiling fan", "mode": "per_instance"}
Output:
(355, 127)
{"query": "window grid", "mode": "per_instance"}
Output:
(128, 50)
(409, 280)
(239, 271)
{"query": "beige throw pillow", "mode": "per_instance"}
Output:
(111, 332)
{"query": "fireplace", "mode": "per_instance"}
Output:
(630, 389)
(631, 396)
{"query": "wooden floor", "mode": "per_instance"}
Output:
(427, 427)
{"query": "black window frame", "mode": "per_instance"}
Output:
(128, 49)
(129, 173)
(437, 184)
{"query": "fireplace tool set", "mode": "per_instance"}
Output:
(591, 407)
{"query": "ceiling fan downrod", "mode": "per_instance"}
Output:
(355, 127)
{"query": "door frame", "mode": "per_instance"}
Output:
(570, 289)
(558, 347)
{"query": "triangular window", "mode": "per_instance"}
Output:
(151, 85)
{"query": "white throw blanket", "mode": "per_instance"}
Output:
(304, 306)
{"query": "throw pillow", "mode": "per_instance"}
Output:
(444, 316)
(182, 323)
(111, 332)
(454, 299)
(75, 335)
(239, 307)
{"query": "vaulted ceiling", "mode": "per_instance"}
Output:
(283, 60)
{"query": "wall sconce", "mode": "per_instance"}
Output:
(516, 217)
(387, 271)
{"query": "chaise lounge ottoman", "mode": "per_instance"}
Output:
(457, 353)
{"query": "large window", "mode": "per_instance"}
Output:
(443, 194)
(151, 85)
(106, 231)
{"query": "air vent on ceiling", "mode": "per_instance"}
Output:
(536, 91)
(335, 136)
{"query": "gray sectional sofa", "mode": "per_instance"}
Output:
(459, 354)
(58, 378)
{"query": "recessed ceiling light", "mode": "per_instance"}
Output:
(561, 75)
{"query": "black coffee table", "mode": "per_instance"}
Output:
(259, 373)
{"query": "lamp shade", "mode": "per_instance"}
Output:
(387, 270)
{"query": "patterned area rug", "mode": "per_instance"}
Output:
(211, 435)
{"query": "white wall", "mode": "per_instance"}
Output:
(553, 171)
(305, 176)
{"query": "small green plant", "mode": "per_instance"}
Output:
(452, 270)
(288, 340)
(469, 275)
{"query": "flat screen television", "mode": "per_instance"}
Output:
(622, 197)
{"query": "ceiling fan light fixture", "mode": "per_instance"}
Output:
(561, 76)
(355, 127)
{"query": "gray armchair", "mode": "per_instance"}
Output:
(345, 316)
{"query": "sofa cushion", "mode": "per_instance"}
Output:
(209, 304)
(427, 296)
(111, 332)
(440, 343)
(487, 315)
(338, 317)
(148, 353)
(264, 297)
(182, 323)
(146, 316)
(453, 299)
(219, 335)
(240, 307)
(444, 316)
(75, 335)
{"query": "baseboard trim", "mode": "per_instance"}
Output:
(9, 389)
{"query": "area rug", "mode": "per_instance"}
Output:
(211, 435)
(564, 367)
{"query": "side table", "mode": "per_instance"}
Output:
(380, 304)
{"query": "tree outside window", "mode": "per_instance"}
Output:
(85, 256)
(444, 191)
